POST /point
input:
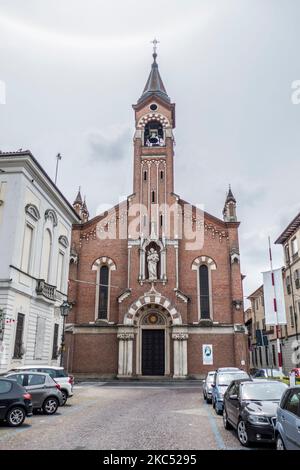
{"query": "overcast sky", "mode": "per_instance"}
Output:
(73, 68)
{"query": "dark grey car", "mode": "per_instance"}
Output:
(45, 392)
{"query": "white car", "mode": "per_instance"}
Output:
(57, 373)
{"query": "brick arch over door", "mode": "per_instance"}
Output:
(204, 260)
(104, 260)
(154, 299)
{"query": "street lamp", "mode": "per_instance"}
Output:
(64, 311)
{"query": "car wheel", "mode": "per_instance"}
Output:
(208, 400)
(242, 433)
(279, 443)
(65, 397)
(15, 417)
(226, 423)
(50, 406)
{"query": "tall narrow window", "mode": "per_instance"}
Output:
(39, 338)
(287, 254)
(27, 248)
(267, 355)
(292, 317)
(55, 342)
(294, 245)
(145, 175)
(18, 350)
(153, 196)
(260, 356)
(46, 256)
(161, 220)
(204, 292)
(274, 355)
(60, 271)
(161, 175)
(103, 293)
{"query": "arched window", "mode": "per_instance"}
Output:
(103, 293)
(46, 256)
(204, 291)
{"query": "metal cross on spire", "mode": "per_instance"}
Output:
(155, 42)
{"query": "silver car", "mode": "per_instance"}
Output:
(207, 386)
(45, 392)
(287, 431)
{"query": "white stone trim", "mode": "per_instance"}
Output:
(210, 263)
(97, 265)
(152, 299)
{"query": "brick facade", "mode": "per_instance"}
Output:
(113, 346)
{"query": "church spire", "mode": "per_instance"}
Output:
(154, 85)
(229, 211)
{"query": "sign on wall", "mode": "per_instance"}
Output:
(207, 354)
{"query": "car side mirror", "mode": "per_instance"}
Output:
(203, 381)
(233, 397)
(213, 385)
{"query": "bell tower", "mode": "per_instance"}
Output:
(153, 179)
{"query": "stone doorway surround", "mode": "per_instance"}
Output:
(176, 335)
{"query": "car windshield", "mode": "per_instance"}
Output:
(226, 378)
(210, 379)
(263, 391)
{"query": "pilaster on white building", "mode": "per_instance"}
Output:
(35, 234)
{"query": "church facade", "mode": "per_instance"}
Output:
(155, 282)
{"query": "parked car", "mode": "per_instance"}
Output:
(297, 371)
(15, 402)
(227, 369)
(57, 373)
(207, 386)
(250, 407)
(45, 392)
(222, 380)
(287, 430)
(266, 374)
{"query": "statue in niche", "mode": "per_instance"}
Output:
(152, 260)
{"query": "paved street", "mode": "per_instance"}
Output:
(126, 416)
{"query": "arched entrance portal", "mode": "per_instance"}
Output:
(152, 336)
(153, 341)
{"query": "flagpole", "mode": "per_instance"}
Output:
(279, 353)
(58, 158)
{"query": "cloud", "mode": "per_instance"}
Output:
(110, 145)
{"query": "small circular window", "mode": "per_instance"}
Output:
(153, 107)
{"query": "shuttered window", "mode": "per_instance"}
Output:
(60, 271)
(46, 256)
(204, 292)
(18, 351)
(40, 337)
(103, 293)
(27, 248)
(55, 342)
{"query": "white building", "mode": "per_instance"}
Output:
(35, 234)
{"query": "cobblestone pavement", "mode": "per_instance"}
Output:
(118, 415)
